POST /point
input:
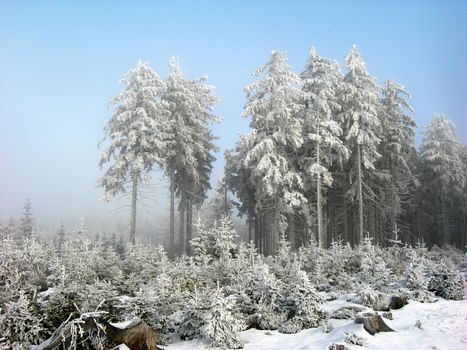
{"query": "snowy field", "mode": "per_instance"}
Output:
(443, 327)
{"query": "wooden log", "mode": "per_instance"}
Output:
(137, 335)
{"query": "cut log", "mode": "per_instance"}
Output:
(375, 324)
(136, 336)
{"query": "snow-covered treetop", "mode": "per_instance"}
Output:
(273, 101)
(399, 136)
(361, 108)
(189, 143)
(322, 82)
(135, 130)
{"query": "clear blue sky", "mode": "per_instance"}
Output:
(60, 63)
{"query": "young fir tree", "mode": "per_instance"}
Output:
(224, 238)
(222, 323)
(306, 305)
(274, 105)
(135, 134)
(362, 129)
(19, 324)
(188, 157)
(442, 176)
(192, 319)
(373, 271)
(321, 133)
(201, 244)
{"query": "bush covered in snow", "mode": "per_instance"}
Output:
(225, 287)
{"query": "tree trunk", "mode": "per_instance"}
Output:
(134, 198)
(319, 205)
(226, 202)
(258, 233)
(348, 237)
(360, 197)
(251, 226)
(181, 240)
(292, 231)
(275, 229)
(189, 224)
(172, 216)
(444, 226)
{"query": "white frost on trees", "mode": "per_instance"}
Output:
(135, 134)
(188, 154)
(362, 127)
(222, 323)
(274, 104)
(322, 145)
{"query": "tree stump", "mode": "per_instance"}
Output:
(375, 324)
(136, 336)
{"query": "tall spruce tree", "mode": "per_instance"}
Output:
(362, 129)
(136, 133)
(398, 151)
(274, 105)
(189, 152)
(322, 145)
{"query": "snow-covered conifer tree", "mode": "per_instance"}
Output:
(135, 134)
(362, 128)
(321, 132)
(222, 323)
(306, 305)
(374, 271)
(397, 149)
(201, 244)
(225, 238)
(442, 175)
(192, 319)
(19, 324)
(274, 105)
(26, 222)
(188, 158)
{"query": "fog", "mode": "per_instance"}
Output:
(61, 63)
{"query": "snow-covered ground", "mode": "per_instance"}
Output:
(443, 327)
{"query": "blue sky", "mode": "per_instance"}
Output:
(60, 63)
